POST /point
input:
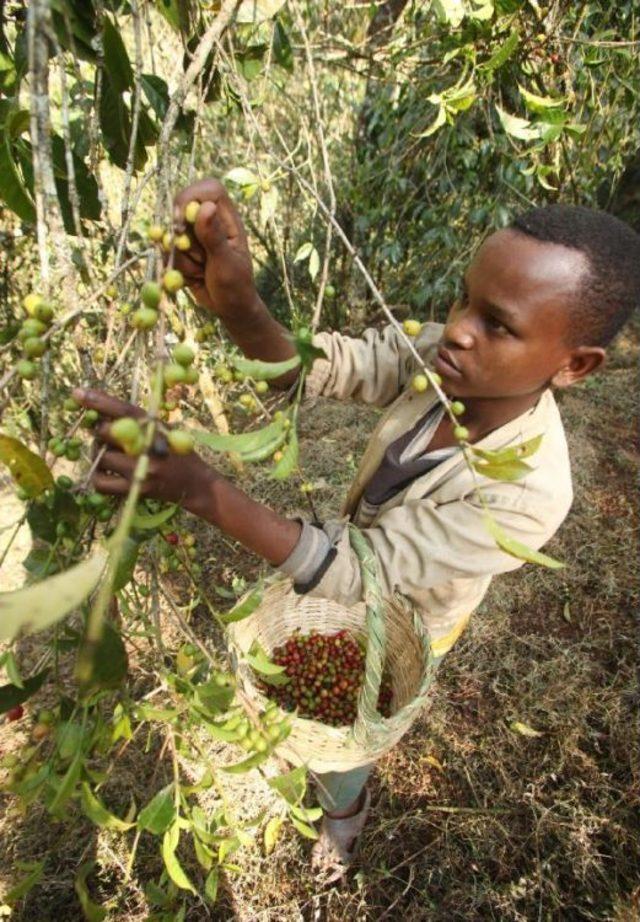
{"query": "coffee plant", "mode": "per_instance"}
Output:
(107, 109)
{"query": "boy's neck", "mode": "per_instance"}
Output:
(484, 414)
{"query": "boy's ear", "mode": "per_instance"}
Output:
(581, 362)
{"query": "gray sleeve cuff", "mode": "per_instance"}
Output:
(308, 555)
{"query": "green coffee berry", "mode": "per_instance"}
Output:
(26, 369)
(174, 374)
(34, 347)
(180, 442)
(151, 294)
(183, 354)
(144, 318)
(173, 280)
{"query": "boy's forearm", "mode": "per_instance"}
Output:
(260, 336)
(258, 528)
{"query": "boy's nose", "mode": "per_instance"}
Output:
(457, 332)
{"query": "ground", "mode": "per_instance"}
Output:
(471, 819)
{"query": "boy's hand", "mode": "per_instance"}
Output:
(218, 267)
(172, 478)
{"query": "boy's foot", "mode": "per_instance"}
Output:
(335, 849)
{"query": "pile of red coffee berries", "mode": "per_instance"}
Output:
(325, 673)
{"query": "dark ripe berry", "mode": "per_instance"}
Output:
(172, 538)
(15, 713)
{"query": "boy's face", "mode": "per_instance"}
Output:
(508, 334)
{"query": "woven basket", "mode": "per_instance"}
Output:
(396, 639)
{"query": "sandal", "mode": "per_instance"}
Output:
(337, 844)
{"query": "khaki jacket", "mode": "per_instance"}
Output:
(430, 540)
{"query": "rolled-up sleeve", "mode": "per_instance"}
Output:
(421, 545)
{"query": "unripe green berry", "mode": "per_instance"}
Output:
(151, 294)
(420, 383)
(72, 453)
(90, 418)
(26, 369)
(180, 442)
(34, 347)
(71, 405)
(461, 433)
(174, 374)
(104, 514)
(262, 387)
(173, 280)
(126, 431)
(192, 376)
(43, 312)
(60, 448)
(30, 302)
(182, 242)
(96, 500)
(64, 482)
(436, 377)
(31, 327)
(183, 354)
(457, 407)
(144, 318)
(329, 291)
(155, 233)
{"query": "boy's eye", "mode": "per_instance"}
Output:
(497, 325)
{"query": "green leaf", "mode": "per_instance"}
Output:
(159, 813)
(12, 188)
(306, 814)
(174, 868)
(18, 891)
(517, 549)
(303, 252)
(157, 93)
(126, 563)
(282, 50)
(214, 698)
(28, 470)
(69, 736)
(92, 911)
(36, 607)
(314, 263)
(244, 443)
(512, 453)
(98, 813)
(238, 768)
(259, 660)
(539, 104)
(289, 460)
(265, 371)
(518, 127)
(211, 885)
(502, 54)
(67, 785)
(143, 521)
(110, 661)
(242, 176)
(12, 695)
(303, 341)
(438, 122)
(506, 470)
(244, 608)
(116, 59)
(449, 11)
(292, 785)
(307, 831)
(271, 833)
(115, 124)
(12, 670)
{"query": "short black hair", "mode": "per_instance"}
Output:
(610, 290)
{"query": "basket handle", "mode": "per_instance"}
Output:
(368, 720)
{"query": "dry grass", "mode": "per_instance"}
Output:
(471, 820)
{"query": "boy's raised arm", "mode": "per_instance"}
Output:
(219, 273)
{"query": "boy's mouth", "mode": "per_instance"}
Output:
(446, 365)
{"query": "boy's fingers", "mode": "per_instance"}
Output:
(212, 190)
(110, 484)
(208, 228)
(191, 268)
(118, 462)
(105, 404)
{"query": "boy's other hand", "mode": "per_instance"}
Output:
(218, 267)
(171, 478)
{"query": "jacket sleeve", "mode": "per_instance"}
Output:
(421, 545)
(373, 368)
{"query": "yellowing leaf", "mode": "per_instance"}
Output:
(524, 729)
(438, 122)
(516, 549)
(27, 469)
(271, 833)
(37, 607)
(431, 760)
(258, 10)
(518, 127)
(539, 103)
(242, 176)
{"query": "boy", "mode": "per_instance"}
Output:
(540, 301)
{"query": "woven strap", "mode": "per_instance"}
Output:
(370, 726)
